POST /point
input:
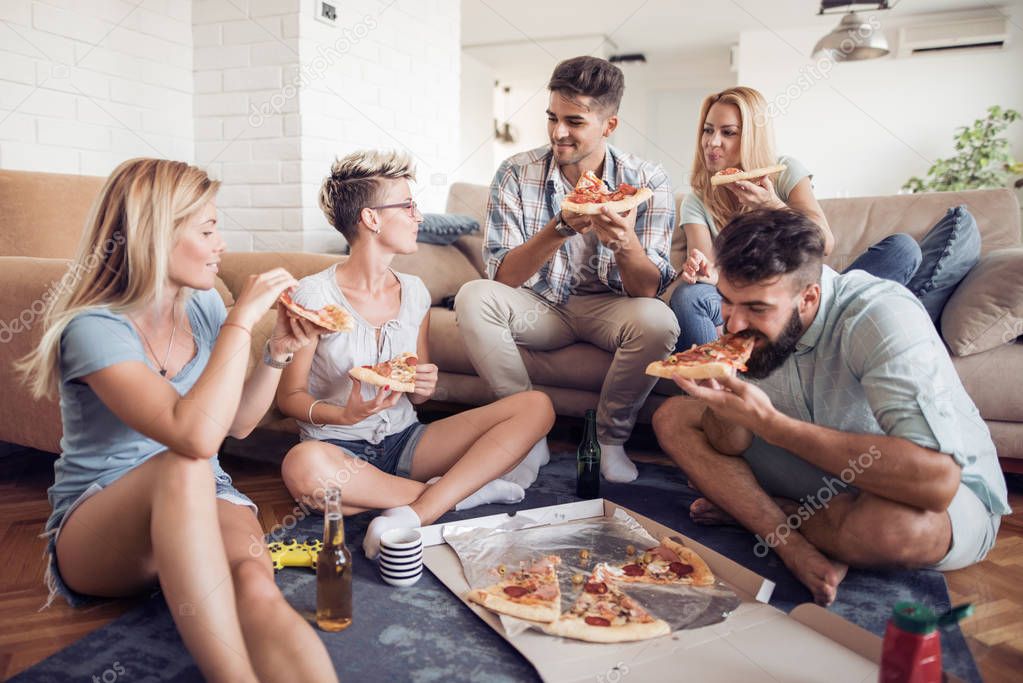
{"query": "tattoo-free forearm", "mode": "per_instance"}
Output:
(522, 262)
(887, 466)
(640, 277)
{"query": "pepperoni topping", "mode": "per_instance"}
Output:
(411, 360)
(680, 568)
(728, 171)
(633, 570)
(595, 587)
(515, 591)
(597, 621)
(627, 190)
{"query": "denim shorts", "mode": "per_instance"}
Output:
(225, 491)
(392, 455)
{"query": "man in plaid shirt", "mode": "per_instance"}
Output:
(559, 277)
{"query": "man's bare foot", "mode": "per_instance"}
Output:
(813, 569)
(706, 513)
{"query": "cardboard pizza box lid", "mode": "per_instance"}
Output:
(755, 642)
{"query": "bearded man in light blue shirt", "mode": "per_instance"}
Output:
(850, 441)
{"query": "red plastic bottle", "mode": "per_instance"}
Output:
(911, 652)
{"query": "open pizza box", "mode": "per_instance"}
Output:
(756, 641)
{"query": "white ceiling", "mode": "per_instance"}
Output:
(495, 32)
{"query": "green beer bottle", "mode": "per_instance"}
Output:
(587, 482)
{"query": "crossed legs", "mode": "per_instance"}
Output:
(858, 529)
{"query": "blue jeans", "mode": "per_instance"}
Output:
(698, 306)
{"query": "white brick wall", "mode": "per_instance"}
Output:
(242, 55)
(385, 77)
(85, 85)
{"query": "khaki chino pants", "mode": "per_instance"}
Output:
(496, 319)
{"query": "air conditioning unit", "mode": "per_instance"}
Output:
(954, 36)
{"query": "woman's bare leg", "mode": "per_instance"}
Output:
(313, 466)
(282, 644)
(472, 448)
(157, 523)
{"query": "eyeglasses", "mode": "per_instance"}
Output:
(409, 206)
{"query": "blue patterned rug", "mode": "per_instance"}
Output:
(424, 633)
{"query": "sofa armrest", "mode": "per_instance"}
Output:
(29, 285)
(986, 310)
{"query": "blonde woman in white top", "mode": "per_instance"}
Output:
(368, 439)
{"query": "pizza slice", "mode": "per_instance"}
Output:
(668, 563)
(532, 593)
(330, 317)
(604, 614)
(590, 196)
(398, 373)
(730, 175)
(720, 358)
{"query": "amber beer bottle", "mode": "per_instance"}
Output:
(333, 569)
(587, 481)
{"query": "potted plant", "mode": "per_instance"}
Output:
(983, 158)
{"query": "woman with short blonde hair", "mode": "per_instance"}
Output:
(150, 367)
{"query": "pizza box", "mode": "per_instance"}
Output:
(756, 641)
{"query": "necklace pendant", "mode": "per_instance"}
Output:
(163, 372)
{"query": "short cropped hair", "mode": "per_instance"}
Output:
(354, 184)
(592, 77)
(768, 243)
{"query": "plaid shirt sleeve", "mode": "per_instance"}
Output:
(503, 231)
(654, 224)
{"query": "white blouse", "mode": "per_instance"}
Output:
(338, 352)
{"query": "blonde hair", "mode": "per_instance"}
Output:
(123, 256)
(756, 149)
(354, 184)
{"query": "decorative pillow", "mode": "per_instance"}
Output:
(445, 228)
(949, 250)
(986, 310)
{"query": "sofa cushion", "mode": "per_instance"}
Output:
(444, 269)
(992, 380)
(950, 250)
(986, 311)
(445, 228)
(44, 213)
(235, 267)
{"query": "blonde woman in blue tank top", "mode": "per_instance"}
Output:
(368, 439)
(151, 369)
(735, 132)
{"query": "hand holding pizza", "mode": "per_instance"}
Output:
(426, 380)
(757, 193)
(258, 294)
(698, 268)
(579, 222)
(291, 333)
(358, 409)
(733, 400)
(613, 227)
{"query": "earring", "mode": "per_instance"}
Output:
(377, 232)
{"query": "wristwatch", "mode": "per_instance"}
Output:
(268, 359)
(563, 228)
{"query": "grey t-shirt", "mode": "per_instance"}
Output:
(97, 447)
(693, 210)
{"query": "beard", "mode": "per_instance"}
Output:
(770, 356)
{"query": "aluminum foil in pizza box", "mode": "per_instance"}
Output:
(581, 545)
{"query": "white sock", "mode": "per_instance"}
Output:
(615, 464)
(525, 473)
(393, 518)
(497, 491)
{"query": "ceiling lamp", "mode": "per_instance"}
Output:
(855, 38)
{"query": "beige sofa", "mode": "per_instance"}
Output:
(38, 235)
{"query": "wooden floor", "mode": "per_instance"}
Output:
(27, 635)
